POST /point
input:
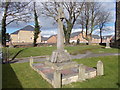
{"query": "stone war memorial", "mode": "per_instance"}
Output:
(59, 69)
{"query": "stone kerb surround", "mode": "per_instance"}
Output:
(82, 73)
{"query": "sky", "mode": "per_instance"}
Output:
(49, 28)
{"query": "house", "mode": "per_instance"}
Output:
(77, 35)
(73, 38)
(95, 39)
(44, 39)
(52, 39)
(24, 36)
(110, 37)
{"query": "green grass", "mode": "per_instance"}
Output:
(110, 78)
(32, 51)
(21, 75)
(104, 50)
(82, 49)
(41, 51)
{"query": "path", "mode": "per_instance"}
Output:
(78, 56)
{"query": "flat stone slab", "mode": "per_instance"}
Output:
(68, 75)
(61, 66)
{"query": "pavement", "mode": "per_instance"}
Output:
(78, 56)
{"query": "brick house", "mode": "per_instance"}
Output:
(24, 36)
(110, 37)
(44, 39)
(95, 39)
(52, 39)
(77, 35)
(73, 38)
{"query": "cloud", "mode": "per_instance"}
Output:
(109, 30)
(48, 26)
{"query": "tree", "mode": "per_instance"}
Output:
(72, 11)
(37, 27)
(104, 18)
(4, 25)
(89, 19)
(12, 11)
(7, 37)
(117, 24)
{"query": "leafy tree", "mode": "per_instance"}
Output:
(37, 27)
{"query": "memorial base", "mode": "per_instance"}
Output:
(59, 56)
(61, 66)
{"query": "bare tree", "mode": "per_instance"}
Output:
(72, 10)
(12, 11)
(89, 19)
(104, 18)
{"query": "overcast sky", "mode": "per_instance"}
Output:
(48, 28)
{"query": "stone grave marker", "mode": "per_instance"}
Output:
(57, 79)
(100, 68)
(31, 61)
(81, 75)
(107, 43)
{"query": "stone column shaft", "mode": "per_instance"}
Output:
(60, 34)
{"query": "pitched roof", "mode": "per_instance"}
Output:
(107, 36)
(74, 34)
(52, 35)
(44, 38)
(95, 37)
(26, 28)
(16, 32)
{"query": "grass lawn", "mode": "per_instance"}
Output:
(21, 75)
(109, 80)
(41, 51)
